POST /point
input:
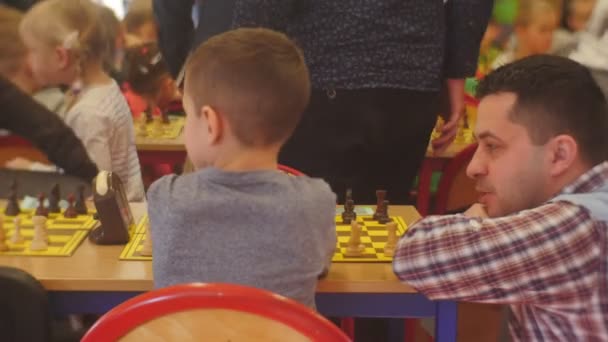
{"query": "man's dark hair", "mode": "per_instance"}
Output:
(555, 95)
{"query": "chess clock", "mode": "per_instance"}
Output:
(113, 210)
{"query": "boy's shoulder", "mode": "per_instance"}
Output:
(212, 182)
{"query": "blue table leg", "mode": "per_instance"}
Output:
(446, 321)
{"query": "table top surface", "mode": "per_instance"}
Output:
(160, 144)
(98, 268)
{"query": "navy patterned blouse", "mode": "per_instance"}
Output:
(352, 44)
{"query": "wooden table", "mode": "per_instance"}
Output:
(94, 280)
(154, 151)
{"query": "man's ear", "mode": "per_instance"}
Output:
(563, 153)
(215, 125)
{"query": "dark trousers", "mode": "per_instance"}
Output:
(365, 140)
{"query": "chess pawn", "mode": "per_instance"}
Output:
(17, 237)
(147, 247)
(41, 210)
(40, 240)
(354, 247)
(70, 211)
(3, 245)
(391, 241)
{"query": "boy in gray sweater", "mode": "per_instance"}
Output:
(237, 219)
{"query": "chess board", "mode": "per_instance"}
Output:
(65, 234)
(132, 250)
(171, 130)
(373, 236)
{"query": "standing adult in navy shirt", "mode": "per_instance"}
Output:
(377, 70)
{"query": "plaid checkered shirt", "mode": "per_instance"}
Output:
(549, 263)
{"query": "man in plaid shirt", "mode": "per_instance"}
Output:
(538, 238)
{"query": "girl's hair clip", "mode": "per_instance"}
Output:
(156, 59)
(143, 70)
(77, 87)
(71, 40)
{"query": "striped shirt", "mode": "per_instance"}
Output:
(102, 120)
(549, 263)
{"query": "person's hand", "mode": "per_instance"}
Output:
(19, 164)
(476, 210)
(455, 93)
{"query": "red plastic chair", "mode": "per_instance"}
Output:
(290, 171)
(210, 312)
(12, 146)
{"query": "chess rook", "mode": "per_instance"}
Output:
(380, 197)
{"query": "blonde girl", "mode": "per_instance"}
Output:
(67, 46)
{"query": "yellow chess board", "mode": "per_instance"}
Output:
(132, 250)
(373, 236)
(171, 130)
(65, 234)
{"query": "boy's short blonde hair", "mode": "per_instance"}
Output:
(257, 78)
(527, 10)
(12, 52)
(71, 23)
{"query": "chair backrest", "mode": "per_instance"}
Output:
(290, 171)
(212, 312)
(456, 190)
(24, 308)
(12, 146)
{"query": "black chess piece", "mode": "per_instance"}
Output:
(41, 210)
(70, 211)
(349, 213)
(383, 217)
(165, 118)
(380, 196)
(349, 196)
(12, 207)
(80, 205)
(54, 198)
(148, 113)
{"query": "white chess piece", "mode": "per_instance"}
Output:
(17, 237)
(39, 242)
(147, 247)
(391, 241)
(3, 245)
(354, 248)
